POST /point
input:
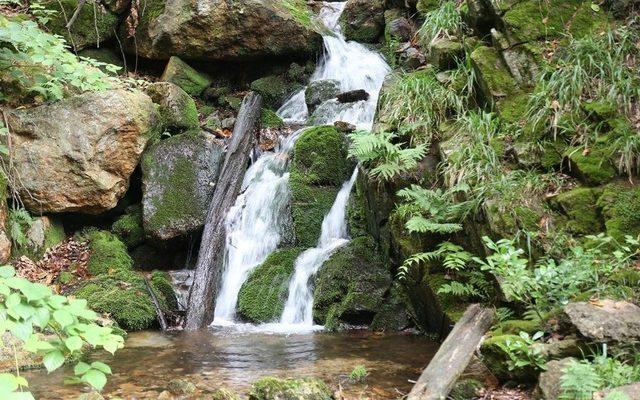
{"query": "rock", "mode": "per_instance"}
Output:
(177, 109)
(445, 53)
(8, 359)
(235, 31)
(606, 321)
(44, 232)
(632, 392)
(496, 359)
(397, 27)
(129, 228)
(592, 167)
(425, 6)
(104, 55)
(262, 296)
(178, 178)
(270, 119)
(93, 26)
(87, 144)
(549, 381)
(392, 313)
(579, 205)
(621, 8)
(344, 127)
(353, 95)
(320, 91)
(363, 20)
(183, 75)
(412, 58)
(181, 387)
(494, 78)
(274, 90)
(350, 286)
(270, 388)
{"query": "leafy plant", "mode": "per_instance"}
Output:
(19, 222)
(579, 381)
(358, 374)
(443, 22)
(385, 158)
(524, 353)
(32, 312)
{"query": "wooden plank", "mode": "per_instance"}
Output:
(207, 273)
(454, 355)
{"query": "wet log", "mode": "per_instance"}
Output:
(159, 313)
(454, 355)
(207, 272)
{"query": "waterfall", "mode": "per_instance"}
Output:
(254, 225)
(299, 305)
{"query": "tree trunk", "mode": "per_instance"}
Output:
(211, 255)
(454, 355)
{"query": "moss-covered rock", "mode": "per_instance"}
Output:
(320, 166)
(161, 282)
(183, 75)
(350, 286)
(178, 178)
(177, 109)
(593, 167)
(579, 205)
(493, 75)
(515, 326)
(496, 360)
(274, 90)
(129, 228)
(123, 295)
(444, 53)
(270, 388)
(262, 296)
(107, 253)
(620, 204)
(363, 20)
(320, 91)
(270, 119)
(425, 6)
(94, 23)
(392, 314)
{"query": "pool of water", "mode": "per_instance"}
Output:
(233, 359)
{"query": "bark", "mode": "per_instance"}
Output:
(207, 273)
(454, 355)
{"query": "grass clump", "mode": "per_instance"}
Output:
(358, 374)
(443, 22)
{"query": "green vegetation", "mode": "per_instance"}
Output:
(129, 228)
(358, 374)
(107, 252)
(270, 119)
(443, 22)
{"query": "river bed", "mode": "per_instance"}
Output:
(233, 360)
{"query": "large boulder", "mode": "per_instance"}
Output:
(363, 20)
(239, 30)
(607, 321)
(94, 23)
(178, 178)
(185, 76)
(78, 154)
(549, 381)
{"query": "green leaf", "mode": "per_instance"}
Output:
(22, 330)
(73, 343)
(41, 317)
(57, 301)
(595, 7)
(100, 366)
(95, 378)
(53, 360)
(81, 368)
(35, 291)
(12, 300)
(8, 383)
(16, 283)
(63, 317)
(7, 271)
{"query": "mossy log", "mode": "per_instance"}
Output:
(211, 254)
(454, 355)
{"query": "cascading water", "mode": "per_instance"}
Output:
(254, 225)
(351, 64)
(255, 222)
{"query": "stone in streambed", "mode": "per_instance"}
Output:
(186, 77)
(270, 388)
(177, 109)
(353, 95)
(86, 145)
(320, 91)
(363, 20)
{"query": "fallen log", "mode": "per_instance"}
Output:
(159, 313)
(454, 355)
(211, 254)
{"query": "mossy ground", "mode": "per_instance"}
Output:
(579, 205)
(129, 228)
(107, 253)
(262, 296)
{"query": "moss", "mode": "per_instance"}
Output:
(262, 296)
(594, 167)
(496, 360)
(65, 277)
(270, 119)
(552, 154)
(425, 6)
(579, 205)
(494, 77)
(128, 227)
(620, 204)
(224, 394)
(298, 9)
(601, 110)
(161, 283)
(269, 388)
(273, 89)
(392, 314)
(93, 25)
(107, 253)
(180, 73)
(152, 10)
(357, 212)
(513, 109)
(178, 110)
(465, 389)
(351, 284)
(319, 168)
(515, 326)
(535, 19)
(123, 295)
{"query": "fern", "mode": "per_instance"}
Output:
(579, 381)
(19, 222)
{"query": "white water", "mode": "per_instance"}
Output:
(254, 226)
(351, 64)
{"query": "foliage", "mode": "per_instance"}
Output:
(524, 353)
(358, 374)
(30, 310)
(386, 158)
(443, 22)
(19, 221)
(37, 65)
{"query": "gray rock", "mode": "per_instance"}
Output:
(178, 179)
(412, 58)
(632, 391)
(608, 321)
(363, 20)
(76, 155)
(177, 108)
(401, 29)
(320, 91)
(182, 74)
(549, 381)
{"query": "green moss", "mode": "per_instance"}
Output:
(620, 204)
(465, 389)
(270, 119)
(273, 89)
(128, 227)
(496, 360)
(602, 110)
(65, 277)
(269, 388)
(494, 77)
(152, 10)
(351, 285)
(298, 9)
(180, 73)
(123, 295)
(357, 212)
(425, 6)
(91, 26)
(552, 154)
(161, 283)
(515, 326)
(262, 296)
(579, 205)
(513, 109)
(107, 252)
(594, 167)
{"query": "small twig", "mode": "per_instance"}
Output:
(76, 13)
